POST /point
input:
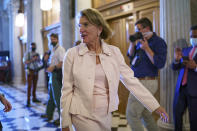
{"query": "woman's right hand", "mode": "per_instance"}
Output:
(66, 129)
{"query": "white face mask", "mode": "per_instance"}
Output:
(193, 41)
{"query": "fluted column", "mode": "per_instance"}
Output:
(37, 35)
(29, 13)
(4, 20)
(66, 26)
(15, 48)
(175, 25)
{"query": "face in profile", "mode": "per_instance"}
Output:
(88, 32)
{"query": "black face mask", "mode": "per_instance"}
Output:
(53, 44)
(33, 49)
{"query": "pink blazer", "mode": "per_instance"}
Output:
(78, 81)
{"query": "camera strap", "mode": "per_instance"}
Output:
(134, 60)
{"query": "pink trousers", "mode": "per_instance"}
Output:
(100, 120)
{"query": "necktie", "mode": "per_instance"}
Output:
(184, 81)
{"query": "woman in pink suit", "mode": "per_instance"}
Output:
(91, 74)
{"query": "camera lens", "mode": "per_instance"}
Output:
(136, 36)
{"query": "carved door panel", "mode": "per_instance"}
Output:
(122, 28)
(130, 29)
(153, 15)
(100, 3)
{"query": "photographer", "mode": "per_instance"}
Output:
(147, 53)
(32, 66)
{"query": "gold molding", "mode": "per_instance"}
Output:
(143, 2)
(147, 5)
(119, 15)
(136, 9)
(113, 4)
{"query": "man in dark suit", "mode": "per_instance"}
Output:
(186, 87)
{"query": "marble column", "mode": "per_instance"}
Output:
(29, 13)
(1, 23)
(66, 36)
(5, 31)
(10, 34)
(80, 5)
(37, 35)
(15, 48)
(175, 25)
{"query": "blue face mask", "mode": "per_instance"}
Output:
(193, 41)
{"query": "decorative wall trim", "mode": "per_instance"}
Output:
(109, 13)
(140, 3)
(113, 4)
(51, 27)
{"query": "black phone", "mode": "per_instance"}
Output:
(185, 58)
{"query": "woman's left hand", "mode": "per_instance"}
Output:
(163, 114)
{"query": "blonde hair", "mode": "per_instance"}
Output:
(96, 18)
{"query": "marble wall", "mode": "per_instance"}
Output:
(194, 12)
(4, 26)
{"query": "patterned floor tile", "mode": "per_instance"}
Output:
(22, 118)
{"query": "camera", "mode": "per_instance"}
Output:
(136, 36)
(185, 58)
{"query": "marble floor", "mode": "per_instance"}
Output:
(21, 118)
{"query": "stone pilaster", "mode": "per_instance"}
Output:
(5, 31)
(66, 25)
(175, 25)
(15, 48)
(37, 36)
(29, 13)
